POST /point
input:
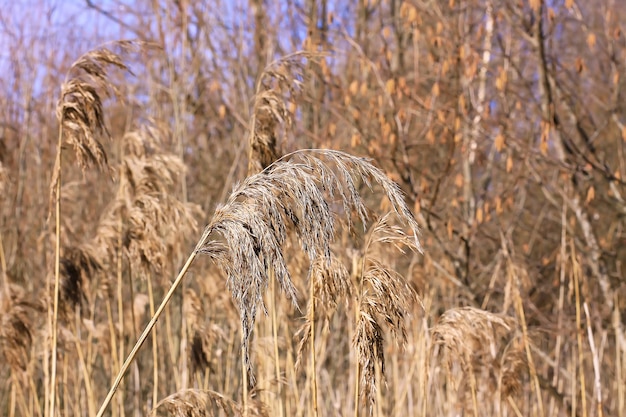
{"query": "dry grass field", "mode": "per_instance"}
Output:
(266, 208)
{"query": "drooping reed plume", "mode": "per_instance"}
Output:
(80, 108)
(154, 220)
(277, 91)
(18, 330)
(247, 234)
(469, 332)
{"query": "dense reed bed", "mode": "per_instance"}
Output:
(417, 213)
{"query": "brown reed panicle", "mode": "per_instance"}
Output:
(296, 193)
(156, 218)
(155, 221)
(204, 335)
(385, 301)
(16, 327)
(384, 298)
(79, 265)
(80, 108)
(469, 333)
(278, 89)
(478, 339)
(513, 366)
(331, 286)
(205, 403)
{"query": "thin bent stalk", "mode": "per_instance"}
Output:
(120, 299)
(472, 377)
(88, 388)
(13, 395)
(273, 307)
(244, 379)
(313, 367)
(57, 266)
(379, 397)
(579, 338)
(356, 384)
(155, 349)
(529, 358)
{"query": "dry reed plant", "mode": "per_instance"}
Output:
(480, 340)
(278, 89)
(247, 234)
(151, 222)
(81, 121)
(403, 83)
(331, 286)
(17, 327)
(205, 403)
(157, 221)
(383, 301)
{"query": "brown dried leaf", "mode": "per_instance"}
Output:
(591, 40)
(354, 87)
(509, 164)
(499, 142)
(435, 90)
(591, 194)
(535, 5)
(479, 215)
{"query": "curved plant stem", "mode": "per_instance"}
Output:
(57, 266)
(120, 285)
(244, 379)
(357, 388)
(313, 367)
(155, 349)
(274, 306)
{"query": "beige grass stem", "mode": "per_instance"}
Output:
(313, 365)
(244, 379)
(357, 378)
(529, 358)
(596, 362)
(119, 260)
(155, 348)
(274, 306)
(57, 267)
(576, 272)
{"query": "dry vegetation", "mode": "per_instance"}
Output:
(392, 208)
